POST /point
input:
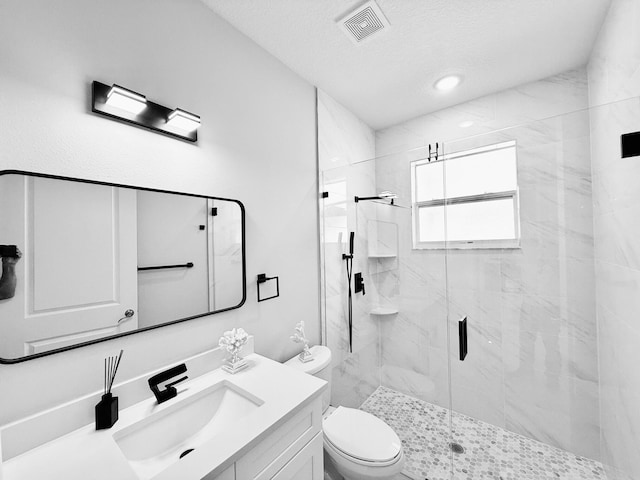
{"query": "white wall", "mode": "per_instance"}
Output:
(614, 75)
(257, 144)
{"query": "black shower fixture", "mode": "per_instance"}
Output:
(433, 155)
(386, 195)
(349, 259)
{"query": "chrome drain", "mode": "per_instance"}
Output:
(186, 452)
(456, 448)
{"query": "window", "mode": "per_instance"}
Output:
(468, 199)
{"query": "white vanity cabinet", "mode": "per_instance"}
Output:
(228, 474)
(264, 423)
(306, 465)
(293, 451)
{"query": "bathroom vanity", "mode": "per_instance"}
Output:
(262, 423)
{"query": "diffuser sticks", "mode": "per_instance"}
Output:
(111, 365)
(107, 408)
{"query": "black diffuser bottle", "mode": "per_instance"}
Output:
(106, 411)
(107, 407)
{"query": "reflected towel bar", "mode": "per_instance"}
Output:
(185, 265)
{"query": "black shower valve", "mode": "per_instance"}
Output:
(358, 283)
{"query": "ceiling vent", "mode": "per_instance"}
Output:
(363, 23)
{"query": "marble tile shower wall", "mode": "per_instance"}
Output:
(552, 96)
(344, 140)
(532, 366)
(614, 71)
(617, 267)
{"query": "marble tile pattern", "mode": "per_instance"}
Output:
(490, 452)
(344, 142)
(614, 72)
(552, 96)
(614, 86)
(532, 366)
(343, 139)
(617, 267)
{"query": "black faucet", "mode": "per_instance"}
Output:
(169, 391)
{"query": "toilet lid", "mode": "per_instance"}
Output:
(361, 435)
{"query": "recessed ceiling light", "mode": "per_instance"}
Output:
(448, 83)
(466, 124)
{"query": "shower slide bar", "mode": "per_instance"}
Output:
(348, 257)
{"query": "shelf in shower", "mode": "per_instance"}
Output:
(384, 311)
(382, 255)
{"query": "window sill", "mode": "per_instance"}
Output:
(470, 245)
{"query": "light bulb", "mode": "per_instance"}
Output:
(183, 120)
(124, 99)
(448, 83)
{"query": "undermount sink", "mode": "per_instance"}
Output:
(183, 424)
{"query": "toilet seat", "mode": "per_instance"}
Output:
(361, 437)
(333, 451)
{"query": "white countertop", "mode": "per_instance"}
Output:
(93, 454)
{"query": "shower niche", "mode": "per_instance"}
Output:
(382, 252)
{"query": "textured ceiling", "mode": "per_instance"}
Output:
(493, 44)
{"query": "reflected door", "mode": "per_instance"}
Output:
(78, 272)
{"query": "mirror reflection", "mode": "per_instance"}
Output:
(84, 261)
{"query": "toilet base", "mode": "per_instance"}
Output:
(348, 471)
(330, 472)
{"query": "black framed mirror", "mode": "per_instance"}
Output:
(86, 261)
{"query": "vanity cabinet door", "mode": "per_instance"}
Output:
(306, 465)
(278, 448)
(228, 474)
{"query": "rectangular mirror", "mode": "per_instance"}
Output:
(97, 260)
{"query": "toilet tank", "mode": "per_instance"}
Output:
(319, 367)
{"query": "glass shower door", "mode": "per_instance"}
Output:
(414, 371)
(398, 369)
(347, 327)
(520, 284)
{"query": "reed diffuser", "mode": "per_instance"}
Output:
(107, 408)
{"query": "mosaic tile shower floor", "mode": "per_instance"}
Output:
(491, 453)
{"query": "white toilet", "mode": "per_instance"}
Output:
(359, 445)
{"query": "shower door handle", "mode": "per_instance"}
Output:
(462, 338)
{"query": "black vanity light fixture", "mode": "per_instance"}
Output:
(125, 105)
